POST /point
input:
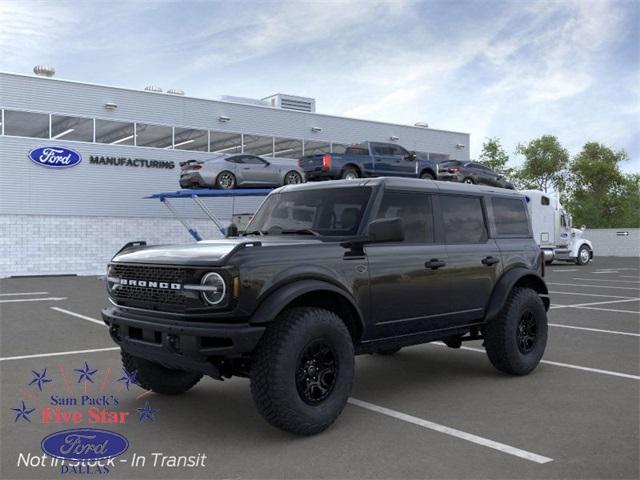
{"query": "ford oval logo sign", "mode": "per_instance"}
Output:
(84, 444)
(55, 157)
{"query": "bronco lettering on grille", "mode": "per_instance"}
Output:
(149, 284)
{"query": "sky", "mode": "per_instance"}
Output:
(514, 70)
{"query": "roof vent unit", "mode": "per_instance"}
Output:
(291, 102)
(44, 71)
(175, 91)
(153, 88)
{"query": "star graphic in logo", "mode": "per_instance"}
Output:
(23, 412)
(40, 379)
(147, 413)
(85, 373)
(129, 378)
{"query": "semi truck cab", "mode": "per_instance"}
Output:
(553, 230)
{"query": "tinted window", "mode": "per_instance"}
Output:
(235, 159)
(510, 216)
(450, 163)
(398, 151)
(252, 160)
(71, 128)
(328, 211)
(415, 211)
(544, 200)
(463, 219)
(382, 150)
(26, 124)
(356, 151)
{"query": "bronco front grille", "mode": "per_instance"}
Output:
(153, 297)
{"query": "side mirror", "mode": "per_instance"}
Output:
(386, 230)
(412, 156)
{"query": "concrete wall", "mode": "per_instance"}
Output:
(50, 245)
(607, 242)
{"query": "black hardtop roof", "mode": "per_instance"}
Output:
(409, 184)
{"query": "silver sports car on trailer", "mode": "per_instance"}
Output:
(240, 170)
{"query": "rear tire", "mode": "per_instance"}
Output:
(516, 339)
(302, 370)
(350, 173)
(225, 180)
(469, 181)
(155, 377)
(427, 176)
(292, 178)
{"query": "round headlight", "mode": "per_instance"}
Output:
(215, 288)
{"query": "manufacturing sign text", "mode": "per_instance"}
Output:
(130, 162)
(55, 157)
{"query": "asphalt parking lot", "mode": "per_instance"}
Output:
(427, 412)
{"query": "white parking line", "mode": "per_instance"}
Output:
(594, 286)
(606, 280)
(587, 294)
(558, 364)
(628, 276)
(56, 354)
(577, 305)
(605, 272)
(561, 270)
(23, 293)
(48, 299)
(83, 317)
(597, 330)
(633, 312)
(485, 442)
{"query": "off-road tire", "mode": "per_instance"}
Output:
(501, 333)
(350, 173)
(427, 176)
(276, 362)
(388, 351)
(153, 376)
(579, 260)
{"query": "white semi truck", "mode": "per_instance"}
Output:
(553, 231)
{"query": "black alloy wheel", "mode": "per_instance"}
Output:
(526, 332)
(316, 372)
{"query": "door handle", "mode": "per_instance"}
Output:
(434, 264)
(488, 261)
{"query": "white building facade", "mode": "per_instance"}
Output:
(130, 142)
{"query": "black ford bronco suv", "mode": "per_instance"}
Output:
(326, 271)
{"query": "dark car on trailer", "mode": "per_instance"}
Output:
(474, 173)
(327, 270)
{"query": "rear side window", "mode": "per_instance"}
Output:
(463, 219)
(356, 151)
(415, 211)
(510, 216)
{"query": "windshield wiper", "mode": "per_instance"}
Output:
(302, 231)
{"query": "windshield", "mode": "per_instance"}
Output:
(326, 212)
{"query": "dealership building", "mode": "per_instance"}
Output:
(129, 144)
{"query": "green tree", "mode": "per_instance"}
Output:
(600, 195)
(495, 157)
(545, 164)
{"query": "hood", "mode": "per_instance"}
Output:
(204, 253)
(576, 233)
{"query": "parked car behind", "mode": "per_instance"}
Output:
(471, 172)
(241, 170)
(368, 159)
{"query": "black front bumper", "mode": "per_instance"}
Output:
(184, 345)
